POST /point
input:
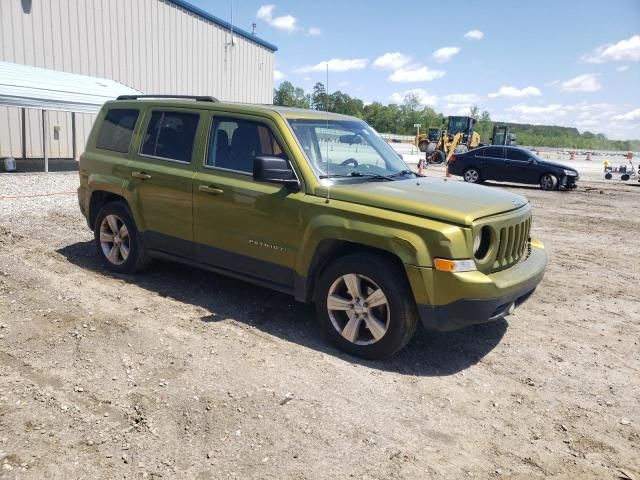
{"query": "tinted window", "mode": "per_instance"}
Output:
(234, 143)
(513, 154)
(170, 135)
(493, 152)
(116, 130)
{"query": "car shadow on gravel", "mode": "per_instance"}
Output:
(277, 314)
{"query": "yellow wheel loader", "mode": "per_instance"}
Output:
(457, 136)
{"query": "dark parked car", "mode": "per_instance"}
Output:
(511, 164)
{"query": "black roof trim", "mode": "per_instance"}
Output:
(197, 98)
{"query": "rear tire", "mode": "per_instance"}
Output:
(472, 175)
(365, 306)
(437, 157)
(117, 239)
(548, 182)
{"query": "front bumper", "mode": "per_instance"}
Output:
(481, 297)
(569, 181)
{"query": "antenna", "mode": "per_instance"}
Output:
(326, 109)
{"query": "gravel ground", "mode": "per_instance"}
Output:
(179, 373)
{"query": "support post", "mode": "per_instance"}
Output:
(23, 114)
(45, 139)
(73, 136)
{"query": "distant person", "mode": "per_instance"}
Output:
(607, 165)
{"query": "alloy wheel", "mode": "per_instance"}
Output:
(358, 309)
(471, 175)
(114, 239)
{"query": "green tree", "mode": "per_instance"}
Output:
(289, 96)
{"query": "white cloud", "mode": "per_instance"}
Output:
(539, 113)
(445, 54)
(336, 65)
(265, 12)
(286, 23)
(462, 98)
(392, 61)
(474, 35)
(582, 83)
(508, 91)
(415, 73)
(425, 97)
(622, 68)
(343, 84)
(616, 121)
(278, 75)
(314, 31)
(628, 50)
(629, 116)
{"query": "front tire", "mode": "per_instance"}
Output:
(117, 239)
(365, 306)
(472, 175)
(422, 146)
(548, 182)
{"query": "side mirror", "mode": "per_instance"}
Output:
(275, 170)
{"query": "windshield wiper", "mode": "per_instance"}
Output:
(375, 176)
(400, 173)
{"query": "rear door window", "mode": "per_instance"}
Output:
(493, 152)
(116, 130)
(170, 135)
(518, 155)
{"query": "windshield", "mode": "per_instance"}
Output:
(346, 148)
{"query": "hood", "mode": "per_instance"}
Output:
(554, 164)
(437, 198)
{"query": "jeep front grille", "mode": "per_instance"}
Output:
(512, 244)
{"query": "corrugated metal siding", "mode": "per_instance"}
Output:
(151, 45)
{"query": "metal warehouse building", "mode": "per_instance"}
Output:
(153, 46)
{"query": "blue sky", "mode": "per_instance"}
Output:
(573, 63)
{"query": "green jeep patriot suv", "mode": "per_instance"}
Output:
(309, 203)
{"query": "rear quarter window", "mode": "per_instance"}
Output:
(116, 131)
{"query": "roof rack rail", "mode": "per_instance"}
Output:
(197, 98)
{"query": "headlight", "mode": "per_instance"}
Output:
(481, 243)
(571, 173)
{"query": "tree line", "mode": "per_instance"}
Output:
(400, 119)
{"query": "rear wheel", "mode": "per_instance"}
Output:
(422, 146)
(471, 175)
(548, 181)
(437, 157)
(365, 306)
(118, 241)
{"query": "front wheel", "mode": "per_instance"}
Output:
(548, 181)
(365, 306)
(471, 175)
(422, 146)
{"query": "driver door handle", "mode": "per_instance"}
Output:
(141, 175)
(210, 190)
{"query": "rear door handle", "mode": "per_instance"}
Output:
(140, 175)
(210, 190)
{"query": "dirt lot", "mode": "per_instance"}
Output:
(178, 373)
